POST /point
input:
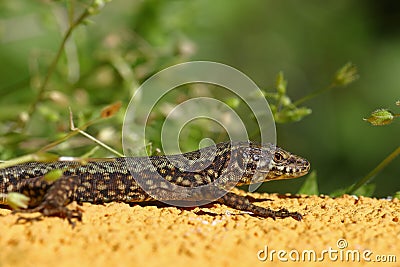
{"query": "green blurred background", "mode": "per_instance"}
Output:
(128, 41)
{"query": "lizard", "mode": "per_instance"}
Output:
(121, 179)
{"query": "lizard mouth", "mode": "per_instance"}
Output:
(295, 171)
(291, 170)
(296, 167)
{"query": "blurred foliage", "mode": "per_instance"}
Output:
(114, 49)
(310, 185)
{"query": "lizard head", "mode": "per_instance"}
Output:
(285, 165)
(268, 162)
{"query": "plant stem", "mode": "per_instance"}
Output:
(52, 68)
(377, 169)
(314, 94)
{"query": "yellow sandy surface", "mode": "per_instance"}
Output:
(118, 234)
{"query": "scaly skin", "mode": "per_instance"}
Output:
(219, 167)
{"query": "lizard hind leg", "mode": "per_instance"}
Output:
(57, 197)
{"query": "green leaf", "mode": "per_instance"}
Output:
(380, 117)
(339, 192)
(17, 200)
(367, 190)
(310, 185)
(397, 195)
(53, 175)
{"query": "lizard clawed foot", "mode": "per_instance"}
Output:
(284, 213)
(23, 219)
(48, 210)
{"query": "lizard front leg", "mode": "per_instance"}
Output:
(242, 203)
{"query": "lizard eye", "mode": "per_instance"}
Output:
(278, 156)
